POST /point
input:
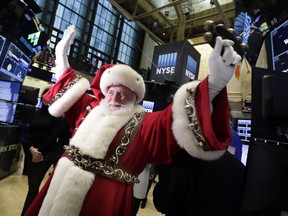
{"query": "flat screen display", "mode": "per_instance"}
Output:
(269, 116)
(277, 47)
(7, 111)
(39, 103)
(14, 64)
(9, 90)
(244, 130)
(244, 156)
(153, 106)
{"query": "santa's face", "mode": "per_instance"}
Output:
(119, 96)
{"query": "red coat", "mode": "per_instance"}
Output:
(159, 137)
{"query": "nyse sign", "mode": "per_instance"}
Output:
(166, 63)
(191, 68)
(190, 75)
(166, 70)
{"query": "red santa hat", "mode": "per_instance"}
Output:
(95, 85)
(121, 74)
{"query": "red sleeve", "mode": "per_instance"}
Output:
(216, 127)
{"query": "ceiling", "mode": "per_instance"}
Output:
(168, 21)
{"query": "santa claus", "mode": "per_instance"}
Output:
(114, 138)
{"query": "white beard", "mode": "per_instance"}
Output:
(116, 111)
(99, 128)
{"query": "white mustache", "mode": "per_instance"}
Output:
(115, 104)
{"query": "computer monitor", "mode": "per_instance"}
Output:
(7, 112)
(29, 95)
(39, 103)
(158, 95)
(265, 185)
(243, 128)
(25, 114)
(269, 105)
(9, 90)
(14, 64)
(276, 43)
(153, 106)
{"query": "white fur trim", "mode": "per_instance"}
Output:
(123, 75)
(67, 190)
(95, 140)
(183, 134)
(59, 107)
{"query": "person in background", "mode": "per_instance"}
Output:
(114, 138)
(192, 186)
(46, 136)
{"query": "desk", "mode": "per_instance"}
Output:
(10, 149)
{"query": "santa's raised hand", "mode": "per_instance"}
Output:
(62, 47)
(221, 66)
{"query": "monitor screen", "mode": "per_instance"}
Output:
(277, 47)
(22, 27)
(269, 116)
(14, 64)
(148, 105)
(29, 95)
(253, 19)
(39, 103)
(153, 106)
(244, 156)
(243, 127)
(265, 183)
(9, 90)
(7, 111)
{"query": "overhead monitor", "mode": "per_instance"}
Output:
(253, 19)
(22, 27)
(14, 64)
(277, 47)
(176, 62)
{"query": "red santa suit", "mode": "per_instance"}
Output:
(127, 142)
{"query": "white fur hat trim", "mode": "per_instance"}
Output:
(123, 75)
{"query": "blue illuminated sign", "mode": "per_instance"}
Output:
(191, 68)
(166, 63)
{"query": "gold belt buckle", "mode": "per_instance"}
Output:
(79, 160)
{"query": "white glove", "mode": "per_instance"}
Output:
(220, 67)
(62, 47)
